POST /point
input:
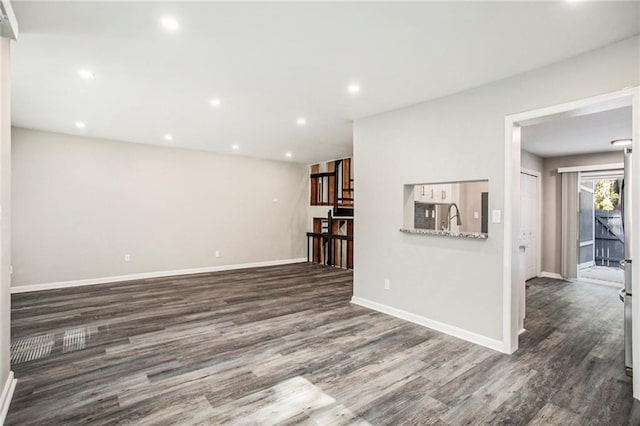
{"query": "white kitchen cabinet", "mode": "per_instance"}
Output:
(444, 193)
(424, 193)
(431, 191)
(440, 194)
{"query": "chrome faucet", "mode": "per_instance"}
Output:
(456, 216)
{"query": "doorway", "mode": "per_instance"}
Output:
(600, 233)
(513, 273)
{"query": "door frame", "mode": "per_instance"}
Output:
(512, 146)
(538, 176)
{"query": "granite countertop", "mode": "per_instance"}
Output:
(472, 235)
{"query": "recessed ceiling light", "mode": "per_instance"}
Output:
(288, 154)
(170, 24)
(168, 137)
(353, 89)
(235, 147)
(301, 121)
(80, 125)
(215, 102)
(85, 74)
(621, 142)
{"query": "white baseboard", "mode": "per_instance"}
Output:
(451, 330)
(160, 274)
(551, 275)
(5, 397)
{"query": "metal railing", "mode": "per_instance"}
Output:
(330, 249)
(322, 193)
(334, 188)
(345, 183)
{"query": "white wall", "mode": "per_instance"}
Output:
(531, 161)
(81, 204)
(456, 283)
(470, 202)
(551, 200)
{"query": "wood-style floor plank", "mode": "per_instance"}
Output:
(283, 345)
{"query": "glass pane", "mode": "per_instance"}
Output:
(586, 216)
(586, 254)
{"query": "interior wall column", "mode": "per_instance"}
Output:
(7, 382)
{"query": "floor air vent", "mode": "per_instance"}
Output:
(74, 340)
(24, 349)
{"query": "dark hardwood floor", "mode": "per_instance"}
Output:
(284, 345)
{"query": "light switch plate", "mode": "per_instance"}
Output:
(496, 216)
(476, 215)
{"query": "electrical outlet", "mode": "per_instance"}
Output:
(217, 253)
(387, 284)
(127, 257)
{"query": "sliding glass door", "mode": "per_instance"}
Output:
(586, 254)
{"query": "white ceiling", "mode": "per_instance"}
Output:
(270, 63)
(581, 134)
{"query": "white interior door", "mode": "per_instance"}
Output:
(529, 222)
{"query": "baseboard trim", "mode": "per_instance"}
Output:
(6, 396)
(160, 274)
(551, 275)
(451, 330)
